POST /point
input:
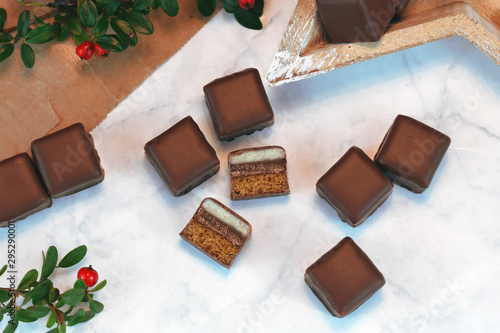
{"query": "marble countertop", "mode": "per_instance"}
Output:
(439, 251)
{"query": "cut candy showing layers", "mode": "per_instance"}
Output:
(258, 172)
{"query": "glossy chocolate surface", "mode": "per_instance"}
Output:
(67, 161)
(21, 190)
(238, 104)
(344, 278)
(411, 153)
(182, 156)
(355, 187)
(349, 21)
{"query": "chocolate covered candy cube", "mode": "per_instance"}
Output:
(217, 231)
(344, 278)
(349, 21)
(67, 161)
(182, 156)
(238, 104)
(411, 153)
(21, 190)
(354, 186)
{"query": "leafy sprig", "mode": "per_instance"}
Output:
(113, 24)
(40, 298)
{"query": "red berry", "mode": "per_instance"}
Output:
(88, 275)
(246, 4)
(103, 53)
(85, 50)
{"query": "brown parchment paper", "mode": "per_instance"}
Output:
(61, 89)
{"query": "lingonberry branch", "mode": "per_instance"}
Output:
(110, 25)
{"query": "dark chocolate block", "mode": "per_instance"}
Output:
(411, 153)
(67, 161)
(344, 278)
(182, 156)
(354, 187)
(258, 172)
(21, 190)
(217, 231)
(349, 21)
(238, 104)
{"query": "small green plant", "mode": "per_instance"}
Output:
(102, 26)
(36, 297)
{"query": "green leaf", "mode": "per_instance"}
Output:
(104, 2)
(206, 7)
(88, 315)
(80, 284)
(40, 35)
(37, 311)
(73, 257)
(73, 296)
(124, 31)
(101, 285)
(50, 262)
(59, 304)
(230, 5)
(52, 319)
(28, 278)
(76, 318)
(62, 16)
(142, 4)
(23, 316)
(248, 19)
(88, 13)
(74, 25)
(140, 23)
(23, 23)
(11, 327)
(1, 316)
(111, 8)
(95, 306)
(5, 38)
(62, 329)
(111, 43)
(156, 4)
(5, 295)
(101, 27)
(3, 18)
(41, 291)
(63, 35)
(4, 268)
(38, 20)
(27, 55)
(170, 7)
(258, 7)
(80, 38)
(5, 51)
(53, 295)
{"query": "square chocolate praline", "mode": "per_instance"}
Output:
(350, 21)
(344, 278)
(67, 161)
(182, 156)
(238, 104)
(355, 187)
(21, 190)
(411, 153)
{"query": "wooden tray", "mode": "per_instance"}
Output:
(305, 49)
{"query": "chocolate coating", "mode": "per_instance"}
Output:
(411, 153)
(67, 161)
(182, 156)
(344, 278)
(238, 104)
(354, 187)
(21, 190)
(349, 21)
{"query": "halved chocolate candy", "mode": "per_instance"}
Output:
(217, 231)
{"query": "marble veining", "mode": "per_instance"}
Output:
(439, 251)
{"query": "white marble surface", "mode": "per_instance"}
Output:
(439, 251)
